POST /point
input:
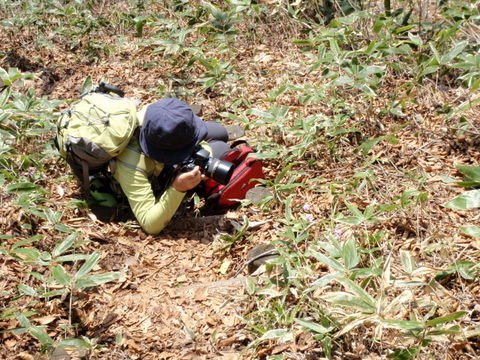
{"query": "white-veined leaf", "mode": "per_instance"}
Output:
(467, 200)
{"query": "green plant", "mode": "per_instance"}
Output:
(469, 199)
(222, 21)
(217, 72)
(55, 281)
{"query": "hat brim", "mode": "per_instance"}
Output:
(178, 156)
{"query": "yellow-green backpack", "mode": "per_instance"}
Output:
(94, 130)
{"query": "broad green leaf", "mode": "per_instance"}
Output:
(406, 283)
(455, 329)
(30, 254)
(53, 217)
(208, 64)
(342, 80)
(429, 70)
(469, 184)
(4, 96)
(60, 275)
(373, 46)
(324, 280)
(403, 324)
(404, 354)
(471, 230)
(347, 300)
(87, 85)
(397, 111)
(335, 47)
(327, 346)
(407, 195)
(351, 220)
(377, 27)
(368, 145)
(27, 290)
(262, 114)
(251, 286)
(63, 228)
(27, 241)
(37, 275)
(334, 264)
(97, 279)
(139, 22)
(8, 313)
(210, 82)
(23, 320)
(408, 262)
(14, 74)
(35, 331)
(225, 265)
(436, 55)
(91, 261)
(366, 89)
(466, 105)
(349, 254)
(354, 210)
(21, 187)
(104, 199)
(366, 272)
(472, 173)
(45, 256)
(467, 200)
(312, 326)
(474, 83)
(41, 335)
(454, 52)
(274, 334)
(64, 245)
(446, 318)
(415, 39)
(402, 29)
(361, 293)
(3, 117)
(72, 257)
(372, 69)
(39, 211)
(4, 77)
(53, 293)
(74, 343)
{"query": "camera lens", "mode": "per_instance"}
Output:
(219, 170)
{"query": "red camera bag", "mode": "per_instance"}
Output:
(247, 170)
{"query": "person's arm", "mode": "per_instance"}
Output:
(152, 214)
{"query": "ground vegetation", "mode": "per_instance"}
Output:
(366, 116)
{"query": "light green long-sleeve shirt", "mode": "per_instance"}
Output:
(133, 172)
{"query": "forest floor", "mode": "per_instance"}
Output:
(175, 301)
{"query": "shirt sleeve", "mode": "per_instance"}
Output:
(151, 213)
(132, 174)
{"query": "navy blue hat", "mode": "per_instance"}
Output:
(170, 131)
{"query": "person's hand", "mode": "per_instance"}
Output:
(188, 180)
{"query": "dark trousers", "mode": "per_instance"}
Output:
(217, 138)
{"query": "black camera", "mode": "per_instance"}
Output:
(216, 169)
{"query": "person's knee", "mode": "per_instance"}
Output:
(216, 131)
(219, 148)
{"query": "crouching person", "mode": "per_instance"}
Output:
(168, 134)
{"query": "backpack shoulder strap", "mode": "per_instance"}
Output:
(239, 142)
